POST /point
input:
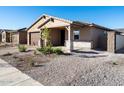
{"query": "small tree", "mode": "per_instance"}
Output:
(45, 35)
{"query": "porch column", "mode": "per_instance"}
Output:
(70, 39)
(28, 38)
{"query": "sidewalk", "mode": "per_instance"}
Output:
(10, 76)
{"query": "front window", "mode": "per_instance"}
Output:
(76, 35)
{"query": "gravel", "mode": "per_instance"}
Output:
(81, 69)
(71, 70)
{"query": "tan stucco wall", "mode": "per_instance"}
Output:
(85, 34)
(15, 38)
(35, 26)
(85, 37)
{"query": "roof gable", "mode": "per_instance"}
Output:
(37, 23)
(43, 19)
(52, 22)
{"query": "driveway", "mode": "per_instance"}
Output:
(9, 75)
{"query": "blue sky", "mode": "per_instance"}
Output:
(19, 17)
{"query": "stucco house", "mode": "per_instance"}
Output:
(14, 36)
(6, 35)
(73, 34)
(19, 36)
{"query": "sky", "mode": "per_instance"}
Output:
(18, 17)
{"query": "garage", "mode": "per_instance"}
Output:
(35, 37)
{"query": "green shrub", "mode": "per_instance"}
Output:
(22, 48)
(46, 50)
(57, 51)
(114, 63)
(50, 50)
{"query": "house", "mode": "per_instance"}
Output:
(19, 36)
(73, 34)
(120, 30)
(6, 35)
(14, 36)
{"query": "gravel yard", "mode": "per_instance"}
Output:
(80, 69)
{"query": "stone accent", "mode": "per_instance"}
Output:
(111, 42)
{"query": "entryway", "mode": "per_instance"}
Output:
(62, 37)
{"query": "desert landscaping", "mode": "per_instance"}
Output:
(85, 68)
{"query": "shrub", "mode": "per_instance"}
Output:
(45, 50)
(50, 50)
(57, 51)
(114, 63)
(22, 48)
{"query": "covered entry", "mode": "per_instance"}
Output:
(58, 36)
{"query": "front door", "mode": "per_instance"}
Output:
(62, 37)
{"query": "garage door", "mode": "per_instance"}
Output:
(35, 37)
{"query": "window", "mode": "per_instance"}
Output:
(76, 35)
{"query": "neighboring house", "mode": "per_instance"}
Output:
(19, 36)
(6, 35)
(14, 36)
(120, 30)
(119, 39)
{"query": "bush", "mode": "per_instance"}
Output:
(114, 63)
(22, 48)
(57, 51)
(45, 50)
(50, 50)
